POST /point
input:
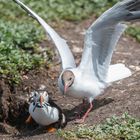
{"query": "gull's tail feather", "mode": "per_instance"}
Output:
(117, 72)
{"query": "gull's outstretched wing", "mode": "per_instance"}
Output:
(103, 35)
(64, 51)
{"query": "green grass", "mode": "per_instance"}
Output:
(134, 31)
(115, 128)
(57, 9)
(19, 49)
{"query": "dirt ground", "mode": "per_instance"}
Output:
(122, 96)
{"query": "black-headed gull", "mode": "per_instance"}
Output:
(93, 74)
(44, 111)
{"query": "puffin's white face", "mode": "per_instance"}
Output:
(39, 96)
(67, 79)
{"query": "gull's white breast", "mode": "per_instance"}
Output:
(85, 86)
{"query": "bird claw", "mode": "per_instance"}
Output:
(80, 121)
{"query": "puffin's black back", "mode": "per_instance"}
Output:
(62, 118)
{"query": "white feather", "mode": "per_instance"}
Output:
(44, 116)
(117, 72)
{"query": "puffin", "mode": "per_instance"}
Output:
(44, 111)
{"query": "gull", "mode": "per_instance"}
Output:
(95, 72)
(44, 111)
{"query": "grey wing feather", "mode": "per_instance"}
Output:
(64, 51)
(103, 35)
(108, 41)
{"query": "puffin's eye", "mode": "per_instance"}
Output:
(31, 99)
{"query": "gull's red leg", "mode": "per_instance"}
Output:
(82, 120)
(80, 109)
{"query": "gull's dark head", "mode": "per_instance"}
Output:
(67, 79)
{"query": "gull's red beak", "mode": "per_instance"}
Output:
(41, 100)
(65, 88)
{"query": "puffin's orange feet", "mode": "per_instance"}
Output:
(51, 129)
(29, 120)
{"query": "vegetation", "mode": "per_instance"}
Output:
(58, 9)
(18, 49)
(115, 128)
(134, 31)
(20, 35)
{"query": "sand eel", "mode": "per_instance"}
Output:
(94, 72)
(44, 111)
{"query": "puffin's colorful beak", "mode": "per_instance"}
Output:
(41, 100)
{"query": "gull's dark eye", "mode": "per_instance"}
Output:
(70, 79)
